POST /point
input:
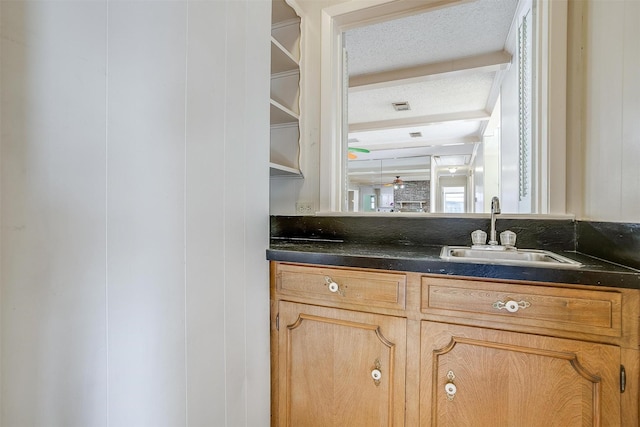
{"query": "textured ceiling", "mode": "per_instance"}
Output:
(468, 29)
(441, 96)
(417, 59)
(450, 132)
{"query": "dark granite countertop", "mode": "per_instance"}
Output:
(426, 259)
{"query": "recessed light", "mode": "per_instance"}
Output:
(401, 106)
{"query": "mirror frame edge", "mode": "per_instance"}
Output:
(552, 93)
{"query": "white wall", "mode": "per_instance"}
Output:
(611, 140)
(134, 213)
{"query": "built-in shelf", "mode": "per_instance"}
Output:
(281, 114)
(281, 12)
(285, 91)
(284, 149)
(276, 170)
(281, 59)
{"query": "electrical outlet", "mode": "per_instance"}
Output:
(304, 208)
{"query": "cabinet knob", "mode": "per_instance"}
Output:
(333, 286)
(450, 388)
(511, 306)
(376, 372)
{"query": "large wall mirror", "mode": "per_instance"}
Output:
(439, 105)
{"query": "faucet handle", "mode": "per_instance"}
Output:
(508, 238)
(479, 237)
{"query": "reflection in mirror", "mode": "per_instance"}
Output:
(379, 185)
(443, 101)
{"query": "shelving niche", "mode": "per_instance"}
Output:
(285, 91)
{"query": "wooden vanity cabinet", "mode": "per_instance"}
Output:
(340, 367)
(449, 351)
(484, 377)
(337, 367)
(531, 355)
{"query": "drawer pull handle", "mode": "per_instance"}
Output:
(450, 388)
(376, 372)
(333, 286)
(511, 306)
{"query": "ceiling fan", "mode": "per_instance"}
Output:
(352, 150)
(397, 183)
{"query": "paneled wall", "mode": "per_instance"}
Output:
(611, 140)
(134, 213)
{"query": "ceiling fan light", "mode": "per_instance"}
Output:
(398, 184)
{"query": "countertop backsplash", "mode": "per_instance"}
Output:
(420, 231)
(614, 242)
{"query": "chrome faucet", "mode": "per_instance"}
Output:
(495, 209)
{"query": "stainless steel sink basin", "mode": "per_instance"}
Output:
(504, 256)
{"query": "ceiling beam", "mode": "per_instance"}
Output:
(417, 143)
(489, 62)
(348, 15)
(420, 121)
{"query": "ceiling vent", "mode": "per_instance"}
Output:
(401, 106)
(415, 134)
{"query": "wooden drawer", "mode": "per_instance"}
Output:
(575, 310)
(372, 289)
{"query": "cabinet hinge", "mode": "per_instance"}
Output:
(623, 379)
(278, 322)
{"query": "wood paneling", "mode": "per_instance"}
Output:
(145, 194)
(52, 213)
(612, 105)
(134, 213)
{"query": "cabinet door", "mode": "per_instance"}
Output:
(340, 368)
(479, 377)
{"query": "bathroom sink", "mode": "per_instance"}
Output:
(507, 256)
